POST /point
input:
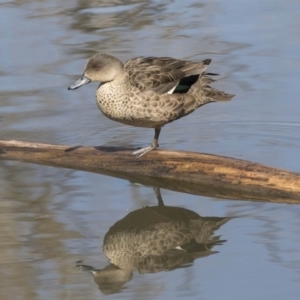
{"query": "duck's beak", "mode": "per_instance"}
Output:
(82, 81)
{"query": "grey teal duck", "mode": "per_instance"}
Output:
(153, 239)
(149, 91)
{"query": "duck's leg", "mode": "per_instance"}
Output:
(139, 153)
(158, 196)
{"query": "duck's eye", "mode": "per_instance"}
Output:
(97, 67)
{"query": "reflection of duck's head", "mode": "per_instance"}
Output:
(110, 279)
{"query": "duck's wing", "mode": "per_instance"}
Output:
(162, 74)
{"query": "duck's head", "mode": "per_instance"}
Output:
(100, 67)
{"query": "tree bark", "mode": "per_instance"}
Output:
(189, 172)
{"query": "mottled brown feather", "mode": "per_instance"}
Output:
(161, 74)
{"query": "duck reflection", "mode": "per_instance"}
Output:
(154, 239)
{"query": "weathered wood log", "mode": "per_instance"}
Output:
(189, 172)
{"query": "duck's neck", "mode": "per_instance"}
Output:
(116, 89)
(113, 96)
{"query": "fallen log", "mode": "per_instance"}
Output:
(189, 172)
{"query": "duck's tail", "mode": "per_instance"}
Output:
(211, 93)
(204, 93)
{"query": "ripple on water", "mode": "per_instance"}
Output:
(109, 9)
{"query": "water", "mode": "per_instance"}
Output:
(53, 218)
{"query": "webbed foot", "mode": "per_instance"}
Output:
(140, 152)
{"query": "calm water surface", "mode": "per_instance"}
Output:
(52, 219)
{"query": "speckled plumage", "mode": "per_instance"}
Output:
(160, 237)
(150, 235)
(149, 91)
(154, 239)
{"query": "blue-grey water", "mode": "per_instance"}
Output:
(53, 218)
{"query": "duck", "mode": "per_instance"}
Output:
(156, 238)
(149, 92)
(153, 239)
